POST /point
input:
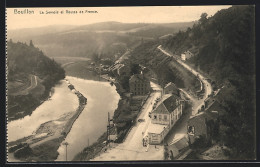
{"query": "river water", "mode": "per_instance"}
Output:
(62, 101)
(91, 124)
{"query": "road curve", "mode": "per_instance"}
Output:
(207, 85)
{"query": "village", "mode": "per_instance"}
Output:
(160, 117)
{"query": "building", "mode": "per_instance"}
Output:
(171, 88)
(139, 85)
(186, 55)
(123, 70)
(183, 57)
(178, 147)
(119, 69)
(202, 125)
(167, 112)
(112, 132)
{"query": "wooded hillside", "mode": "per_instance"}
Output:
(31, 75)
(224, 48)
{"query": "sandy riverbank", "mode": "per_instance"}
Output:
(43, 144)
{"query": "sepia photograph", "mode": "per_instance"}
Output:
(135, 83)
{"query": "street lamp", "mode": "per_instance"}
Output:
(66, 144)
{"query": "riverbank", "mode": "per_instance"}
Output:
(100, 145)
(44, 143)
(26, 102)
(124, 119)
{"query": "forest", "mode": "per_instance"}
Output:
(26, 62)
(224, 48)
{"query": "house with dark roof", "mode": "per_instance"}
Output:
(171, 88)
(139, 85)
(167, 112)
(202, 125)
(178, 147)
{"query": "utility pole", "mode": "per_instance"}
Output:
(66, 144)
(88, 142)
(108, 130)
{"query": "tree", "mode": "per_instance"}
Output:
(203, 18)
(135, 69)
(31, 43)
(95, 57)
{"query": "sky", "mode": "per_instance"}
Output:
(39, 17)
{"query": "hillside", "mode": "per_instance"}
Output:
(159, 30)
(105, 38)
(31, 75)
(224, 49)
(165, 69)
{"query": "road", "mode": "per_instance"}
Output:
(132, 148)
(67, 64)
(25, 91)
(33, 82)
(207, 85)
(180, 129)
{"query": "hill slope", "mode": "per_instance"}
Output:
(30, 77)
(224, 48)
(105, 38)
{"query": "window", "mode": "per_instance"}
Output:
(160, 117)
(165, 117)
(155, 117)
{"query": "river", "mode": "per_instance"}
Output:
(91, 124)
(62, 101)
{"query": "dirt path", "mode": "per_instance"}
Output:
(33, 84)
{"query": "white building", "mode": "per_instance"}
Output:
(167, 112)
(186, 55)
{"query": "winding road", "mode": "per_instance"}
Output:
(132, 148)
(25, 91)
(180, 129)
(207, 85)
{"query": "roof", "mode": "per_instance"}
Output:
(215, 106)
(178, 145)
(170, 84)
(171, 87)
(182, 143)
(188, 52)
(174, 150)
(139, 77)
(156, 128)
(117, 66)
(167, 104)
